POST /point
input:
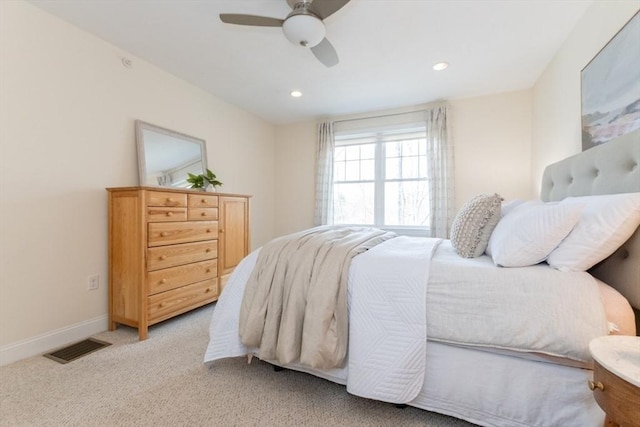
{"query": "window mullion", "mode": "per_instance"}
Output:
(378, 216)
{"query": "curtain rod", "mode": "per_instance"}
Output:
(435, 104)
(380, 116)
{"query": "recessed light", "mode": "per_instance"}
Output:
(296, 93)
(440, 66)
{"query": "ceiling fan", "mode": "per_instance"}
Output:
(302, 27)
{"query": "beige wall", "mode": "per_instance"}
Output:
(67, 114)
(492, 138)
(556, 126)
(295, 177)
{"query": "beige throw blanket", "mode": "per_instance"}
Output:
(295, 302)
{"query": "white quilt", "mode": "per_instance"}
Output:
(387, 320)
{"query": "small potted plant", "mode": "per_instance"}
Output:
(203, 181)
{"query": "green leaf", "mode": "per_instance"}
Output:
(202, 180)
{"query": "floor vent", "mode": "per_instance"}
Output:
(77, 350)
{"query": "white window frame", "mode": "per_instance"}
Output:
(379, 137)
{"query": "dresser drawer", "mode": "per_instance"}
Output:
(168, 304)
(158, 214)
(203, 214)
(166, 198)
(168, 233)
(172, 255)
(202, 201)
(174, 277)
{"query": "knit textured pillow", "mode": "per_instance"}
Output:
(473, 225)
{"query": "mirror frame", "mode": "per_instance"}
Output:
(142, 126)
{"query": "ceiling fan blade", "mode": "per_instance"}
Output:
(256, 21)
(326, 53)
(325, 8)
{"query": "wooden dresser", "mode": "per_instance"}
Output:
(171, 251)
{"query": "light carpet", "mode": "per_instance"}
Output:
(163, 382)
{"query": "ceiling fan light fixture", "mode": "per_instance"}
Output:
(304, 30)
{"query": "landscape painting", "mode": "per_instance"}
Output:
(611, 88)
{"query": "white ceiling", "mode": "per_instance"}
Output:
(386, 47)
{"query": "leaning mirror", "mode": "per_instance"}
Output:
(165, 157)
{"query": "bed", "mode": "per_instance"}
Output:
(452, 365)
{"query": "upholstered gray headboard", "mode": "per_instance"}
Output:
(613, 167)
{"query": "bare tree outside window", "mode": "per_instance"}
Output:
(383, 181)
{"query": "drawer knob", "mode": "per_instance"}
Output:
(204, 201)
(163, 257)
(163, 281)
(170, 199)
(209, 230)
(596, 385)
(208, 250)
(203, 214)
(207, 290)
(164, 233)
(169, 213)
(162, 304)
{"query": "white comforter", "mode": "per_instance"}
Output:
(392, 294)
(530, 309)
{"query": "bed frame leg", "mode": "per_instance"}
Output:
(401, 405)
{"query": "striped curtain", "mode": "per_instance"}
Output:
(324, 174)
(440, 172)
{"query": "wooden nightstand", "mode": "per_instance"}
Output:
(616, 378)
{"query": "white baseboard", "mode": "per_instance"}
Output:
(52, 340)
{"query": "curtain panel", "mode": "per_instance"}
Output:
(324, 174)
(440, 172)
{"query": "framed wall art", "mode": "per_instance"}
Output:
(611, 88)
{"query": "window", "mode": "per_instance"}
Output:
(380, 178)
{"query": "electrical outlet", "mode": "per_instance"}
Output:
(93, 282)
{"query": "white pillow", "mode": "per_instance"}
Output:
(527, 234)
(508, 208)
(605, 224)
